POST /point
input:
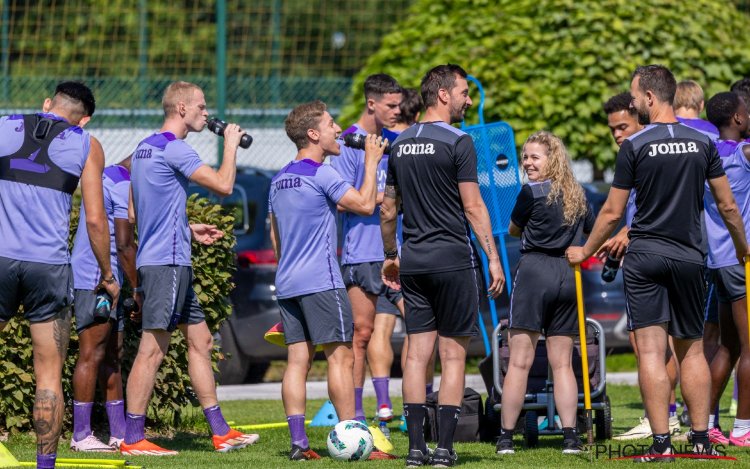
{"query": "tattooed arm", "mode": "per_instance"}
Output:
(479, 219)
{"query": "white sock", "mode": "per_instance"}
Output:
(711, 421)
(741, 427)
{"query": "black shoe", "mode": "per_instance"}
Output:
(504, 446)
(573, 446)
(685, 418)
(708, 450)
(302, 454)
(653, 456)
(418, 458)
(441, 457)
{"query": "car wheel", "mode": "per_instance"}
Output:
(234, 366)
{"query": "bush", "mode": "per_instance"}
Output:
(550, 64)
(212, 267)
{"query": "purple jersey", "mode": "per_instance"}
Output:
(34, 220)
(721, 252)
(86, 273)
(303, 200)
(362, 239)
(161, 168)
(702, 126)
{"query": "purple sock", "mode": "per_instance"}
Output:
(134, 428)
(297, 430)
(428, 388)
(46, 461)
(359, 412)
(673, 409)
(81, 419)
(216, 420)
(116, 416)
(381, 391)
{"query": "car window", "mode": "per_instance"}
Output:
(236, 204)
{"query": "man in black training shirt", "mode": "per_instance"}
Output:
(433, 170)
(667, 164)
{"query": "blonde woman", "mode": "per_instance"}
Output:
(550, 212)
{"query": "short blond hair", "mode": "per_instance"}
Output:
(689, 95)
(179, 91)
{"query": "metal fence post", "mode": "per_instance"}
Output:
(221, 69)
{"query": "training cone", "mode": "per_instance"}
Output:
(6, 458)
(275, 336)
(380, 441)
(326, 416)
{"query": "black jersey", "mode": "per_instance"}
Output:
(426, 163)
(542, 223)
(667, 165)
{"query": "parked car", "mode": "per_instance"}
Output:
(255, 309)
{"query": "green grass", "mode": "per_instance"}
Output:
(621, 362)
(271, 451)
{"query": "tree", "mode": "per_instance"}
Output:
(550, 64)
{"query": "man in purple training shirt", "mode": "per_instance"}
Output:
(315, 309)
(44, 155)
(362, 249)
(688, 105)
(162, 166)
(100, 343)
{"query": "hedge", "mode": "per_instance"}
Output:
(212, 266)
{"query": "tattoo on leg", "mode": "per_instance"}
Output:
(47, 420)
(61, 332)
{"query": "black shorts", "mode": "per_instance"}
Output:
(730, 283)
(44, 290)
(388, 302)
(85, 304)
(662, 290)
(447, 302)
(321, 318)
(544, 296)
(366, 276)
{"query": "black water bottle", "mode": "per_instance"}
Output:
(129, 306)
(609, 272)
(103, 306)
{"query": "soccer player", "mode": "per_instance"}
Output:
(362, 250)
(44, 155)
(667, 164)
(549, 214)
(622, 120)
(315, 309)
(432, 169)
(162, 166)
(100, 343)
(730, 114)
(688, 105)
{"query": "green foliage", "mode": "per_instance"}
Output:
(550, 64)
(212, 267)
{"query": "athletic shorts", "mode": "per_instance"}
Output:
(711, 308)
(730, 283)
(44, 290)
(544, 296)
(366, 276)
(387, 302)
(446, 302)
(662, 290)
(84, 306)
(168, 297)
(321, 318)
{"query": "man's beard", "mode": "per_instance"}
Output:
(457, 115)
(643, 117)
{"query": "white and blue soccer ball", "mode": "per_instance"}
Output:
(350, 440)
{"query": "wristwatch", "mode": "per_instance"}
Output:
(110, 280)
(391, 254)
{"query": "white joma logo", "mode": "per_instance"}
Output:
(672, 148)
(415, 149)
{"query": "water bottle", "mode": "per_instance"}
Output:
(609, 272)
(129, 306)
(103, 306)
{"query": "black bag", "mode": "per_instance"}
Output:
(468, 422)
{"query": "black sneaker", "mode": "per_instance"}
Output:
(302, 454)
(653, 456)
(504, 446)
(441, 457)
(573, 446)
(418, 458)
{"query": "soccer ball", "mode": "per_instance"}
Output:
(350, 440)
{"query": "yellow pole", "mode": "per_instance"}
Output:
(584, 356)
